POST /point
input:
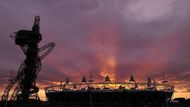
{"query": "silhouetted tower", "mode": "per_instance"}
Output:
(151, 84)
(133, 84)
(107, 79)
(26, 89)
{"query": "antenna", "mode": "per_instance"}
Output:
(163, 78)
(11, 75)
(91, 77)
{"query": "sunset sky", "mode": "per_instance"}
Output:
(107, 37)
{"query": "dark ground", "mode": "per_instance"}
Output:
(45, 104)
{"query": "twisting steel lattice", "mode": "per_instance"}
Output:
(26, 88)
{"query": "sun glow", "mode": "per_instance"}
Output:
(108, 68)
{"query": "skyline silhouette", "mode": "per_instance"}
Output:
(117, 38)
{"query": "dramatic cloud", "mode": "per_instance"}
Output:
(149, 10)
(107, 37)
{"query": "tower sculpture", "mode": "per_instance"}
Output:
(25, 80)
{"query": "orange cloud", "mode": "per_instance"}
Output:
(103, 38)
